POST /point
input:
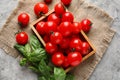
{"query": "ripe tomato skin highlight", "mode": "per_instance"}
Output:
(76, 28)
(74, 58)
(59, 9)
(65, 28)
(56, 38)
(22, 38)
(51, 48)
(86, 25)
(58, 59)
(85, 48)
(40, 8)
(23, 19)
(40, 28)
(50, 26)
(54, 17)
(76, 44)
(65, 43)
(67, 16)
(66, 2)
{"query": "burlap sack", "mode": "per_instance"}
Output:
(100, 34)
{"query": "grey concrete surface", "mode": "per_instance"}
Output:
(107, 69)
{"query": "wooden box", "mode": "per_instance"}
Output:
(32, 25)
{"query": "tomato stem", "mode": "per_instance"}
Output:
(91, 24)
(19, 23)
(51, 32)
(41, 14)
(73, 50)
(18, 32)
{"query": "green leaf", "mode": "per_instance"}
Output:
(59, 74)
(42, 78)
(69, 77)
(52, 77)
(21, 49)
(38, 61)
(23, 61)
(33, 68)
(45, 69)
(48, 78)
(37, 55)
(28, 48)
(34, 42)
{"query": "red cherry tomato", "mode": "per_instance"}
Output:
(56, 38)
(76, 44)
(41, 28)
(58, 59)
(40, 8)
(76, 28)
(65, 43)
(75, 36)
(65, 28)
(67, 51)
(86, 25)
(51, 48)
(59, 9)
(22, 38)
(65, 63)
(85, 48)
(74, 58)
(53, 17)
(67, 16)
(23, 19)
(50, 27)
(58, 28)
(47, 1)
(46, 38)
(66, 2)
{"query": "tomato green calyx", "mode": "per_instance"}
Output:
(91, 24)
(73, 50)
(60, 16)
(51, 32)
(18, 32)
(19, 23)
(64, 10)
(41, 14)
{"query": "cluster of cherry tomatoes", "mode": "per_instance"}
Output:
(62, 35)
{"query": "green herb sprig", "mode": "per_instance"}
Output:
(36, 58)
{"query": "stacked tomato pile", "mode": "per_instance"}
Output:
(62, 37)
